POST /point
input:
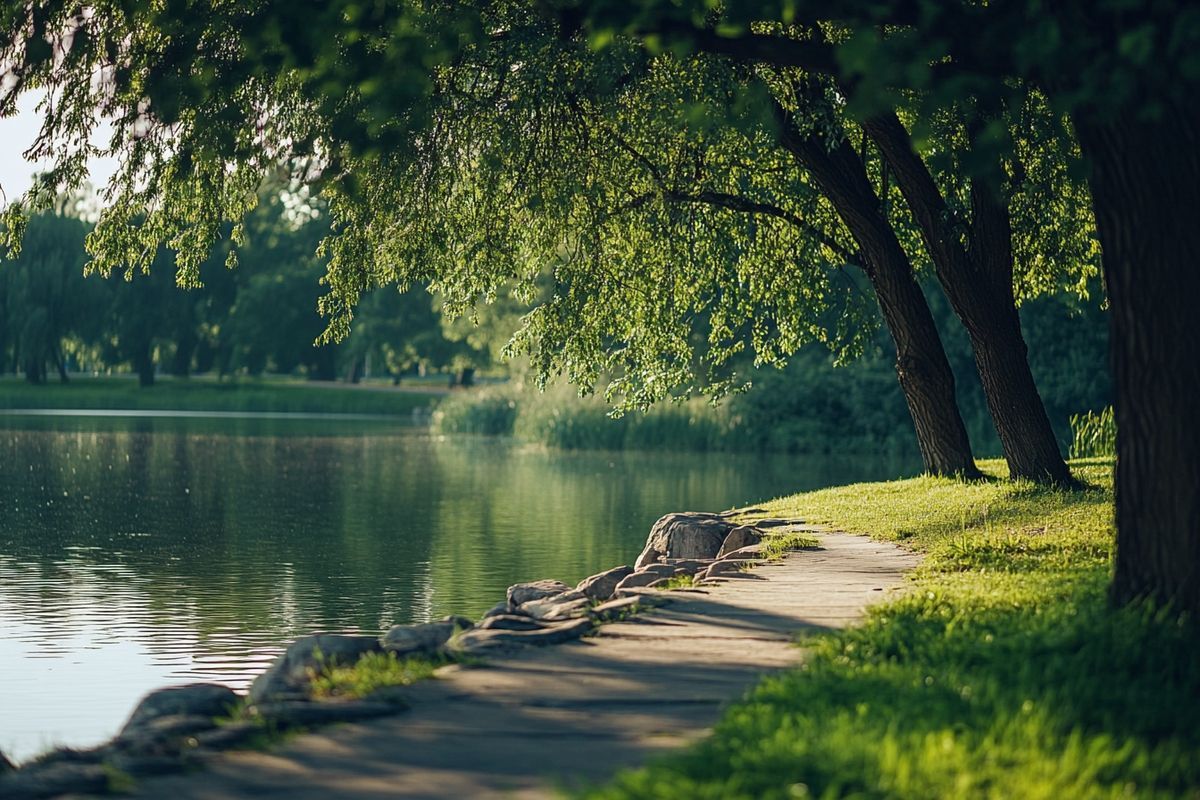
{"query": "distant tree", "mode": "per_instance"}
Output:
(46, 300)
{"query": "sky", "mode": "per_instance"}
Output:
(16, 135)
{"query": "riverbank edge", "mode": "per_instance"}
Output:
(202, 394)
(1004, 671)
(313, 683)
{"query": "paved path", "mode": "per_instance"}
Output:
(527, 724)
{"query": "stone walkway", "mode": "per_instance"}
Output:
(542, 719)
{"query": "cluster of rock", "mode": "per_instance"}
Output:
(180, 726)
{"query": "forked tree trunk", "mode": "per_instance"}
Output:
(978, 283)
(1146, 191)
(921, 364)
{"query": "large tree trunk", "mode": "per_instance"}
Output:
(1146, 190)
(978, 283)
(921, 363)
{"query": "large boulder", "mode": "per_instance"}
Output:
(739, 537)
(288, 677)
(194, 699)
(421, 639)
(600, 587)
(521, 593)
(685, 535)
(5, 764)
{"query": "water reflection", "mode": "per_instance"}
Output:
(140, 552)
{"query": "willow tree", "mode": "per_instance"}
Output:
(681, 238)
(1127, 74)
(206, 95)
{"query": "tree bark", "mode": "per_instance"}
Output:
(921, 364)
(1146, 192)
(978, 283)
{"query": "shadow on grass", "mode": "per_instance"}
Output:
(949, 695)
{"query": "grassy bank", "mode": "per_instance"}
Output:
(1003, 672)
(199, 394)
(760, 422)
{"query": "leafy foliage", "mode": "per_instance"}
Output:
(608, 162)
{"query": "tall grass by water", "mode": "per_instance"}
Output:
(777, 420)
(1094, 434)
(559, 418)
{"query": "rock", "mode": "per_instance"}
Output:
(496, 610)
(638, 579)
(288, 676)
(459, 622)
(302, 714)
(5, 764)
(509, 622)
(622, 607)
(747, 553)
(227, 737)
(38, 781)
(600, 587)
(662, 570)
(689, 565)
(522, 593)
(727, 569)
(481, 642)
(195, 699)
(684, 536)
(560, 606)
(137, 765)
(739, 537)
(69, 755)
(162, 733)
(425, 638)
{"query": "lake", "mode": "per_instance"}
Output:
(137, 552)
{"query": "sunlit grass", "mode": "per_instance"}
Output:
(775, 546)
(1002, 672)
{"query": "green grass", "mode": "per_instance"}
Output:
(372, 672)
(1002, 672)
(1094, 434)
(680, 582)
(776, 545)
(201, 394)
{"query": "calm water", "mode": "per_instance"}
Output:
(141, 552)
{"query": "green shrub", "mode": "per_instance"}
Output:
(490, 411)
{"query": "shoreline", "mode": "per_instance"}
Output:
(194, 721)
